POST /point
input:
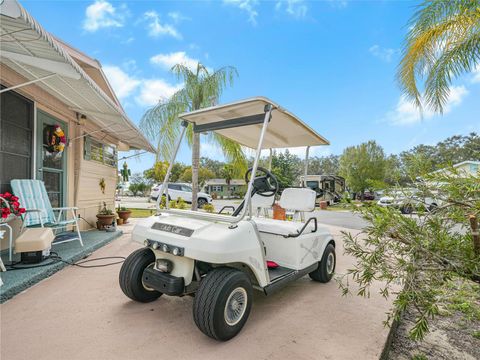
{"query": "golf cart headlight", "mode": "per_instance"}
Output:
(155, 246)
(164, 265)
(165, 248)
(176, 251)
(146, 243)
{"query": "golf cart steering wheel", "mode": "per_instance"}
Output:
(266, 185)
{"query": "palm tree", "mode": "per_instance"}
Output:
(201, 89)
(443, 43)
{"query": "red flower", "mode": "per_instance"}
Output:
(4, 215)
(14, 198)
(6, 195)
(21, 210)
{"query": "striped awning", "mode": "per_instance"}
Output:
(34, 53)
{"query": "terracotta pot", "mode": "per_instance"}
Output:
(124, 215)
(119, 221)
(323, 205)
(105, 219)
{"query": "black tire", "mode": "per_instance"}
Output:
(407, 209)
(324, 272)
(209, 306)
(202, 202)
(131, 273)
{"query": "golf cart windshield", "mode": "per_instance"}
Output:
(246, 123)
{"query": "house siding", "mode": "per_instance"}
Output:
(83, 177)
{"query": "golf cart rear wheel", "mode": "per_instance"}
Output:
(222, 303)
(131, 273)
(326, 267)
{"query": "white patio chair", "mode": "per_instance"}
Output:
(33, 197)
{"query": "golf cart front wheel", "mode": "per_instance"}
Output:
(131, 273)
(326, 267)
(222, 303)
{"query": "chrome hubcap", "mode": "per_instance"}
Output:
(235, 306)
(145, 286)
(330, 263)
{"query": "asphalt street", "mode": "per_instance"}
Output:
(345, 219)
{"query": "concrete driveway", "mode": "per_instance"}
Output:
(82, 314)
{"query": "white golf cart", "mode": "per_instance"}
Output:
(220, 258)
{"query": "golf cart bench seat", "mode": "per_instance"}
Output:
(281, 227)
(296, 199)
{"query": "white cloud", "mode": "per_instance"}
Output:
(406, 113)
(153, 90)
(156, 28)
(246, 5)
(123, 84)
(296, 8)
(384, 54)
(167, 61)
(177, 17)
(102, 14)
(147, 92)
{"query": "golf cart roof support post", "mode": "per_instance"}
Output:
(307, 153)
(170, 166)
(248, 196)
(270, 160)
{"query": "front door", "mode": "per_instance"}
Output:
(51, 161)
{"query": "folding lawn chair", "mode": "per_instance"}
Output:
(33, 197)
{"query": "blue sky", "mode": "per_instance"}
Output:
(330, 62)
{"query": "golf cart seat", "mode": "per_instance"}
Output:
(298, 200)
(260, 203)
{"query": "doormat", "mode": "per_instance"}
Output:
(65, 237)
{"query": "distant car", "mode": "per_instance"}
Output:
(408, 201)
(367, 195)
(181, 190)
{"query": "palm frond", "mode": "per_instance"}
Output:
(460, 58)
(436, 28)
(232, 151)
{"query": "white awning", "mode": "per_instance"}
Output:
(34, 53)
(284, 129)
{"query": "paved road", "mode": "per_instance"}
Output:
(344, 219)
(82, 314)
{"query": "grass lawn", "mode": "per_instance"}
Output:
(141, 213)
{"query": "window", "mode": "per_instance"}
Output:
(16, 138)
(218, 188)
(186, 188)
(174, 187)
(97, 151)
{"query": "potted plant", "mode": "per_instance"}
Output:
(123, 213)
(105, 216)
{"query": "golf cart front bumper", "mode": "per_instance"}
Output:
(163, 282)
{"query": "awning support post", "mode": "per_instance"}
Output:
(170, 166)
(307, 153)
(27, 83)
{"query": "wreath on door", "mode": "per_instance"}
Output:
(54, 139)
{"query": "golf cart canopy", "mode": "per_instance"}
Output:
(241, 121)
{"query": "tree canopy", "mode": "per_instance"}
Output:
(363, 166)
